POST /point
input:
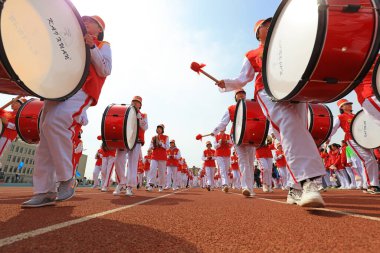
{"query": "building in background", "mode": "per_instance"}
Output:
(17, 163)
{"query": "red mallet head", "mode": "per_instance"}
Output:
(197, 67)
(99, 137)
(198, 137)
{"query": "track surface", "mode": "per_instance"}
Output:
(192, 220)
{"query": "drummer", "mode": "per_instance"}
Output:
(288, 120)
(8, 119)
(55, 150)
(129, 181)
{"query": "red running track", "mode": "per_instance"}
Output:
(193, 220)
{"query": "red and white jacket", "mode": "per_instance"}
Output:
(229, 116)
(280, 159)
(209, 158)
(147, 160)
(143, 126)
(223, 145)
(234, 162)
(173, 157)
(98, 157)
(10, 127)
(364, 90)
(344, 121)
(159, 153)
(265, 151)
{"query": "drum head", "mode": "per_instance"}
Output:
(289, 46)
(376, 79)
(42, 47)
(365, 131)
(239, 122)
(131, 127)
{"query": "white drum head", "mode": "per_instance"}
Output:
(309, 117)
(291, 46)
(1, 128)
(239, 122)
(376, 87)
(365, 131)
(43, 42)
(131, 127)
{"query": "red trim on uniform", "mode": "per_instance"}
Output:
(370, 99)
(365, 168)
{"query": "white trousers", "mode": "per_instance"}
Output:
(371, 169)
(351, 175)
(4, 144)
(140, 179)
(266, 165)
(107, 169)
(236, 179)
(155, 166)
(358, 167)
(326, 178)
(284, 176)
(290, 121)
(210, 172)
(343, 178)
(95, 175)
(171, 176)
(371, 106)
(246, 155)
(129, 179)
(224, 165)
(54, 153)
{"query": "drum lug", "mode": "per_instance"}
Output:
(352, 8)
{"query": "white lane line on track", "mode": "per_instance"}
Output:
(80, 194)
(40, 231)
(346, 213)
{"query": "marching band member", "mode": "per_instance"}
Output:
(78, 146)
(184, 173)
(235, 171)
(58, 119)
(8, 119)
(288, 120)
(347, 165)
(209, 161)
(245, 152)
(98, 168)
(147, 160)
(108, 161)
(127, 182)
(281, 166)
(140, 173)
(174, 155)
(159, 145)
(371, 169)
(222, 145)
(264, 157)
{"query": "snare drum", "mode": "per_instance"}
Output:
(250, 124)
(28, 121)
(320, 123)
(365, 131)
(120, 127)
(320, 50)
(42, 50)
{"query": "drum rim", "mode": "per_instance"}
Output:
(242, 103)
(312, 123)
(102, 130)
(125, 128)
(15, 78)
(374, 81)
(18, 115)
(352, 134)
(317, 50)
(2, 129)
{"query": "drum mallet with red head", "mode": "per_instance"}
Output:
(199, 136)
(198, 68)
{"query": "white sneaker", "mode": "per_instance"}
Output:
(129, 191)
(167, 188)
(119, 188)
(265, 188)
(246, 192)
(294, 197)
(311, 196)
(104, 189)
(225, 189)
(160, 189)
(149, 188)
(270, 189)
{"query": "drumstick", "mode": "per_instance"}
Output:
(199, 136)
(198, 68)
(10, 102)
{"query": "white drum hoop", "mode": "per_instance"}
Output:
(239, 122)
(131, 127)
(360, 127)
(376, 79)
(2, 128)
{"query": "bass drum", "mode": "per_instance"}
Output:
(250, 124)
(120, 127)
(28, 121)
(332, 46)
(365, 131)
(42, 50)
(320, 123)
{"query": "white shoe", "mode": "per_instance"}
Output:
(129, 191)
(311, 196)
(270, 189)
(265, 188)
(167, 188)
(149, 188)
(104, 189)
(225, 189)
(246, 192)
(160, 189)
(294, 197)
(119, 188)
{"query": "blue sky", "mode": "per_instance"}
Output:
(153, 43)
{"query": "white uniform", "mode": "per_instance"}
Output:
(224, 162)
(159, 165)
(210, 172)
(171, 172)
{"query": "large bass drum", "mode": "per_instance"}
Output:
(250, 124)
(365, 131)
(28, 121)
(320, 50)
(42, 50)
(120, 127)
(320, 123)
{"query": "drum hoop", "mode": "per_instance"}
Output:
(8, 67)
(2, 129)
(265, 134)
(316, 54)
(310, 129)
(103, 126)
(18, 115)
(374, 81)
(125, 128)
(351, 126)
(331, 117)
(239, 103)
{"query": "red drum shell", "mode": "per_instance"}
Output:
(320, 123)
(255, 126)
(345, 48)
(28, 120)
